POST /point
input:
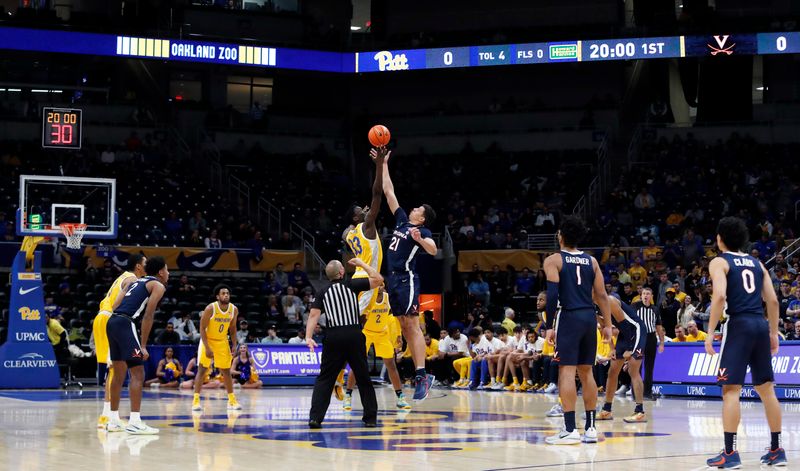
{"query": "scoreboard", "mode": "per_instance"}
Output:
(252, 55)
(62, 128)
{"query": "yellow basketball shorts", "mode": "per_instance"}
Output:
(101, 337)
(384, 347)
(222, 354)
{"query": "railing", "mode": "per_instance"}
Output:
(588, 204)
(634, 147)
(787, 252)
(269, 215)
(542, 242)
(447, 244)
(298, 231)
(313, 261)
(238, 189)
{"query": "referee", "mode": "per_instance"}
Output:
(651, 315)
(344, 342)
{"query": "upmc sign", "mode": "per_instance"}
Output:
(689, 363)
(27, 359)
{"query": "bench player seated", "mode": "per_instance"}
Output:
(512, 342)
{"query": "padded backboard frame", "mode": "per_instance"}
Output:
(96, 195)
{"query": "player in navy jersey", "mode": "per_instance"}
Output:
(629, 348)
(748, 339)
(409, 236)
(126, 350)
(573, 279)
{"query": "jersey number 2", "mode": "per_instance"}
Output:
(130, 290)
(394, 244)
(749, 281)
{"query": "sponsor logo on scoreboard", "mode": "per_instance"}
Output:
(563, 52)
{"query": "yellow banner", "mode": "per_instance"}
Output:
(196, 259)
(486, 259)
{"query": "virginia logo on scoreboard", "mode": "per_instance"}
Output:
(723, 47)
(388, 61)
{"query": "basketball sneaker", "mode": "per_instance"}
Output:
(622, 390)
(774, 457)
(637, 417)
(499, 386)
(140, 429)
(102, 422)
(422, 387)
(196, 407)
(525, 387)
(564, 438)
(551, 389)
(402, 403)
(725, 461)
(347, 403)
(234, 405)
(555, 411)
(115, 426)
(604, 415)
(512, 387)
(589, 435)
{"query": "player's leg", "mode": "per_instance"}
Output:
(223, 359)
(511, 370)
(404, 300)
(99, 325)
(637, 384)
(735, 351)
(611, 387)
(188, 384)
(203, 364)
(568, 338)
(587, 354)
(120, 371)
(764, 379)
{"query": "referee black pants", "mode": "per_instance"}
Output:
(343, 345)
(649, 362)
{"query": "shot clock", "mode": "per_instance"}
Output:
(61, 128)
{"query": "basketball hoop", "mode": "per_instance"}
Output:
(74, 233)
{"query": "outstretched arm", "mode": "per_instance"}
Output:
(718, 270)
(388, 187)
(378, 155)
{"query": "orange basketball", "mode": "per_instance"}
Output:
(379, 135)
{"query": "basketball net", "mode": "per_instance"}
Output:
(74, 233)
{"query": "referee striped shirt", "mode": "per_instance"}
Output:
(339, 302)
(651, 315)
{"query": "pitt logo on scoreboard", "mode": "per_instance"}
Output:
(388, 61)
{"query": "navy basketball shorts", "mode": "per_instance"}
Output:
(632, 338)
(576, 338)
(745, 342)
(123, 341)
(403, 293)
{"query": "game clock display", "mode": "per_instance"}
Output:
(61, 128)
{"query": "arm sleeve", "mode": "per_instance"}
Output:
(359, 284)
(317, 302)
(400, 216)
(552, 303)
(657, 311)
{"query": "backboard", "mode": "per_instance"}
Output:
(46, 201)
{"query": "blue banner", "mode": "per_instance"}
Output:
(688, 362)
(27, 359)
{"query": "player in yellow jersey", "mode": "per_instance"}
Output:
(379, 332)
(218, 321)
(362, 238)
(135, 271)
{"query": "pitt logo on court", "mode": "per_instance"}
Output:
(29, 315)
(388, 61)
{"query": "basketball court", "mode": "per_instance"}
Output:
(452, 430)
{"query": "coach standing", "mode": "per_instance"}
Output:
(651, 315)
(344, 342)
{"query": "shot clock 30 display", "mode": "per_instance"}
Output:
(61, 128)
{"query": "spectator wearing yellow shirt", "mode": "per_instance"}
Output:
(650, 253)
(406, 363)
(508, 321)
(637, 272)
(694, 334)
(680, 334)
(56, 333)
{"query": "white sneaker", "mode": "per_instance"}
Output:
(629, 392)
(234, 406)
(498, 386)
(555, 411)
(155, 386)
(564, 438)
(590, 435)
(140, 429)
(551, 388)
(114, 427)
(622, 390)
(237, 386)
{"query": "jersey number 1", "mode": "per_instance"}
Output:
(578, 271)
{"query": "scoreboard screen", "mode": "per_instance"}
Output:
(61, 128)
